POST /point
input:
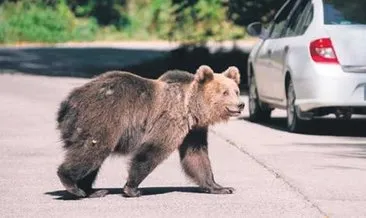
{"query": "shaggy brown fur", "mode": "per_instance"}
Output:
(119, 112)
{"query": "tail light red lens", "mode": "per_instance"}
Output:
(322, 51)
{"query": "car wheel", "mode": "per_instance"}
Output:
(256, 112)
(294, 123)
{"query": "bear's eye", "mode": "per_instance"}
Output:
(226, 93)
(237, 92)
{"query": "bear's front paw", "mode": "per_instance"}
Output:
(227, 190)
(131, 192)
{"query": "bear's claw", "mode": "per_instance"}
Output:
(131, 192)
(98, 193)
(76, 191)
(227, 190)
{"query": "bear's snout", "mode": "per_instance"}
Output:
(235, 109)
(241, 106)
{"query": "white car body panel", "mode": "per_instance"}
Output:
(317, 85)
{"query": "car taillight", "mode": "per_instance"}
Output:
(322, 51)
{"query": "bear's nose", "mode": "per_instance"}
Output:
(241, 105)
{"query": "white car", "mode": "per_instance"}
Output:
(311, 61)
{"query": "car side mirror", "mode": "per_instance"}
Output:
(255, 29)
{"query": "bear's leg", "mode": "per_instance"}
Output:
(79, 170)
(143, 163)
(196, 163)
(86, 184)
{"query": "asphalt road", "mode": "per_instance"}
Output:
(275, 173)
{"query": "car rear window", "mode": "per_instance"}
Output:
(341, 12)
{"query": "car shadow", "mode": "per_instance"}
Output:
(64, 195)
(87, 62)
(323, 126)
(354, 150)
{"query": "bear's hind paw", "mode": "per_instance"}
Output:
(76, 191)
(131, 192)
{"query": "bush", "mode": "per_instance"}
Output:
(85, 30)
(204, 20)
(35, 22)
(86, 20)
(148, 19)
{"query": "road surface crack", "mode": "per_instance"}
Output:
(272, 171)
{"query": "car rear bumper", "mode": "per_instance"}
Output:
(329, 86)
(310, 104)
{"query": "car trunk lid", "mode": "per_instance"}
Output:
(349, 43)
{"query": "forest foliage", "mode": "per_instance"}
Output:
(88, 20)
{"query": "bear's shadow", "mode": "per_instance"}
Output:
(64, 195)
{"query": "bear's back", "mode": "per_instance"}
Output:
(115, 85)
(111, 94)
(177, 76)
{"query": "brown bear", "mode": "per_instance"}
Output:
(119, 112)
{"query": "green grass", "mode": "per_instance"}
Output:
(35, 23)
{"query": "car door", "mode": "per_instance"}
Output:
(289, 39)
(261, 67)
(265, 62)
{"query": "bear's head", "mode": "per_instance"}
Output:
(218, 94)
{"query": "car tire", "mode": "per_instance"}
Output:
(294, 123)
(256, 111)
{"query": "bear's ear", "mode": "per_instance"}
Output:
(204, 74)
(232, 72)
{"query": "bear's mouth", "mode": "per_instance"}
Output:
(233, 112)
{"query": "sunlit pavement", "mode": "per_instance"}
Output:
(275, 173)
